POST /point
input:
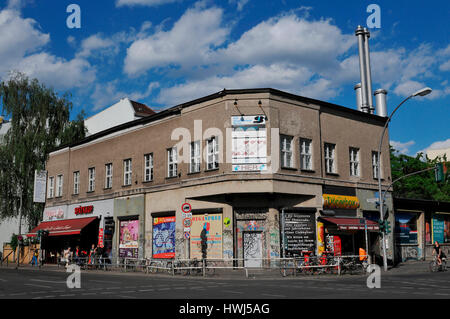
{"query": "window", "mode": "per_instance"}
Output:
(306, 154)
(148, 167)
(330, 155)
(127, 169)
(194, 166)
(354, 161)
(108, 175)
(59, 185)
(76, 183)
(91, 174)
(51, 187)
(172, 166)
(375, 163)
(286, 151)
(213, 153)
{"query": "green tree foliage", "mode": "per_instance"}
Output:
(39, 123)
(420, 186)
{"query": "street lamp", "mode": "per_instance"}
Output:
(421, 92)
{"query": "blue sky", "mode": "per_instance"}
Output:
(166, 52)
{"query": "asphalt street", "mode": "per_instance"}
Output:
(51, 284)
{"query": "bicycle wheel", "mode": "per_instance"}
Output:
(433, 266)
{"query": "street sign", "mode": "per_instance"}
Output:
(372, 200)
(187, 222)
(186, 208)
(187, 235)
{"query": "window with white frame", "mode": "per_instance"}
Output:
(76, 183)
(148, 167)
(127, 171)
(108, 175)
(330, 158)
(91, 176)
(59, 185)
(194, 166)
(375, 163)
(172, 162)
(354, 161)
(213, 152)
(286, 151)
(51, 187)
(306, 154)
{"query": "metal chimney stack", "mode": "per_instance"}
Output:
(363, 35)
(380, 97)
(358, 96)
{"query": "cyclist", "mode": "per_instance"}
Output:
(439, 253)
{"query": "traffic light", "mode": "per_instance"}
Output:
(381, 226)
(387, 226)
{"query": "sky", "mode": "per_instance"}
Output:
(166, 52)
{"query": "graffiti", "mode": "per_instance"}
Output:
(252, 245)
(228, 253)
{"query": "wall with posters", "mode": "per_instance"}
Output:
(129, 217)
(211, 224)
(163, 237)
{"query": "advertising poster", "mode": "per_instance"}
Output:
(300, 232)
(438, 228)
(212, 226)
(406, 228)
(164, 237)
(129, 238)
(320, 238)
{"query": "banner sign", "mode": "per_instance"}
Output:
(40, 186)
(129, 238)
(100, 238)
(339, 202)
(164, 237)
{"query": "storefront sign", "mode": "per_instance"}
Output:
(53, 214)
(164, 237)
(340, 202)
(100, 238)
(129, 238)
(300, 231)
(83, 210)
(212, 225)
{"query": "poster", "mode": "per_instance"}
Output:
(300, 232)
(164, 237)
(212, 226)
(438, 228)
(406, 228)
(129, 238)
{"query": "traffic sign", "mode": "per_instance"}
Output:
(187, 235)
(372, 200)
(186, 208)
(187, 222)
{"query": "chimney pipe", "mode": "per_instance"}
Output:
(368, 71)
(358, 96)
(360, 33)
(380, 97)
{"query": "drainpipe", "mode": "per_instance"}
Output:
(283, 244)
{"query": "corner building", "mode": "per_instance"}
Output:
(267, 173)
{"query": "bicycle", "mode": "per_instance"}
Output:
(434, 266)
(287, 267)
(307, 262)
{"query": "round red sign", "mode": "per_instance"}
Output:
(186, 207)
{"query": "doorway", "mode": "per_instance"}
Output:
(253, 249)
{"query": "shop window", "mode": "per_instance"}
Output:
(440, 226)
(406, 228)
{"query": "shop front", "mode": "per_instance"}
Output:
(437, 228)
(129, 216)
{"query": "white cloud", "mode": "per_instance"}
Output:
(445, 66)
(188, 43)
(240, 4)
(149, 3)
(407, 88)
(402, 148)
(439, 145)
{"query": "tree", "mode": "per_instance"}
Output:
(39, 123)
(420, 186)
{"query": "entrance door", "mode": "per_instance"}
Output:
(253, 249)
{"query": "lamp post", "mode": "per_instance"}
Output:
(421, 92)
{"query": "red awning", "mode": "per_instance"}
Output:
(351, 223)
(63, 227)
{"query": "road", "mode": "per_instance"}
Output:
(51, 284)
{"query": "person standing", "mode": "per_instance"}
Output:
(92, 253)
(34, 261)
